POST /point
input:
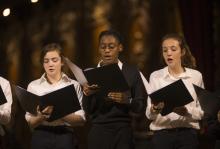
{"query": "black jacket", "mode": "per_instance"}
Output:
(102, 111)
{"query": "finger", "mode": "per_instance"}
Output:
(116, 94)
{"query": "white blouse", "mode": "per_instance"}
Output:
(42, 86)
(5, 109)
(162, 78)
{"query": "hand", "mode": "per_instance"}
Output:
(181, 111)
(218, 116)
(89, 90)
(45, 113)
(157, 108)
(119, 97)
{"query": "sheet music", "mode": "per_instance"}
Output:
(78, 73)
(146, 84)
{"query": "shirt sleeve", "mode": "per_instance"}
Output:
(194, 109)
(152, 86)
(138, 95)
(5, 109)
(27, 114)
(80, 97)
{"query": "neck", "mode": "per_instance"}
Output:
(104, 64)
(175, 71)
(53, 79)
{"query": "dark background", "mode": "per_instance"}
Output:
(76, 24)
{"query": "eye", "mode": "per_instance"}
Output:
(102, 46)
(164, 50)
(111, 46)
(173, 48)
(55, 59)
(46, 60)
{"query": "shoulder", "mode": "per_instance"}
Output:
(3, 80)
(34, 83)
(74, 82)
(128, 67)
(194, 73)
(158, 73)
(4, 83)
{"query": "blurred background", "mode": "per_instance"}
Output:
(27, 25)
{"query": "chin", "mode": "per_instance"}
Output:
(107, 62)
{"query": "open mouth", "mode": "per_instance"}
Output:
(107, 57)
(169, 60)
(51, 70)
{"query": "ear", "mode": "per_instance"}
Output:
(183, 52)
(62, 63)
(120, 48)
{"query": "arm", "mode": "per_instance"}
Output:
(194, 109)
(35, 120)
(41, 116)
(138, 95)
(89, 101)
(77, 118)
(152, 112)
(5, 109)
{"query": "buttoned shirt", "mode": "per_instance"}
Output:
(42, 86)
(119, 64)
(162, 78)
(5, 109)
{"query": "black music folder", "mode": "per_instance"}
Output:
(173, 95)
(64, 101)
(3, 99)
(109, 78)
(209, 102)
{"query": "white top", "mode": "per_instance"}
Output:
(162, 78)
(5, 109)
(41, 87)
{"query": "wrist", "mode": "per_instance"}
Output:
(155, 109)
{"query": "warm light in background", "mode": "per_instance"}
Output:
(34, 1)
(6, 12)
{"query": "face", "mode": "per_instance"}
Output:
(172, 53)
(52, 63)
(109, 49)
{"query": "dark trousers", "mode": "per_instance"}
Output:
(180, 138)
(53, 138)
(110, 136)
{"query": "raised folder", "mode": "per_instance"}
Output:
(173, 95)
(64, 101)
(209, 102)
(109, 78)
(2, 97)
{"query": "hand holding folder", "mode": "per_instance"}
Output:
(173, 95)
(2, 97)
(209, 102)
(64, 101)
(108, 78)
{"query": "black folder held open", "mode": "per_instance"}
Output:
(209, 102)
(2, 97)
(64, 101)
(173, 95)
(109, 78)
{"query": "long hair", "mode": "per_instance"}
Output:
(187, 60)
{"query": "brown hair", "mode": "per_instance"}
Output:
(51, 47)
(187, 60)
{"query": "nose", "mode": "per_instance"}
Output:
(107, 50)
(50, 63)
(169, 52)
